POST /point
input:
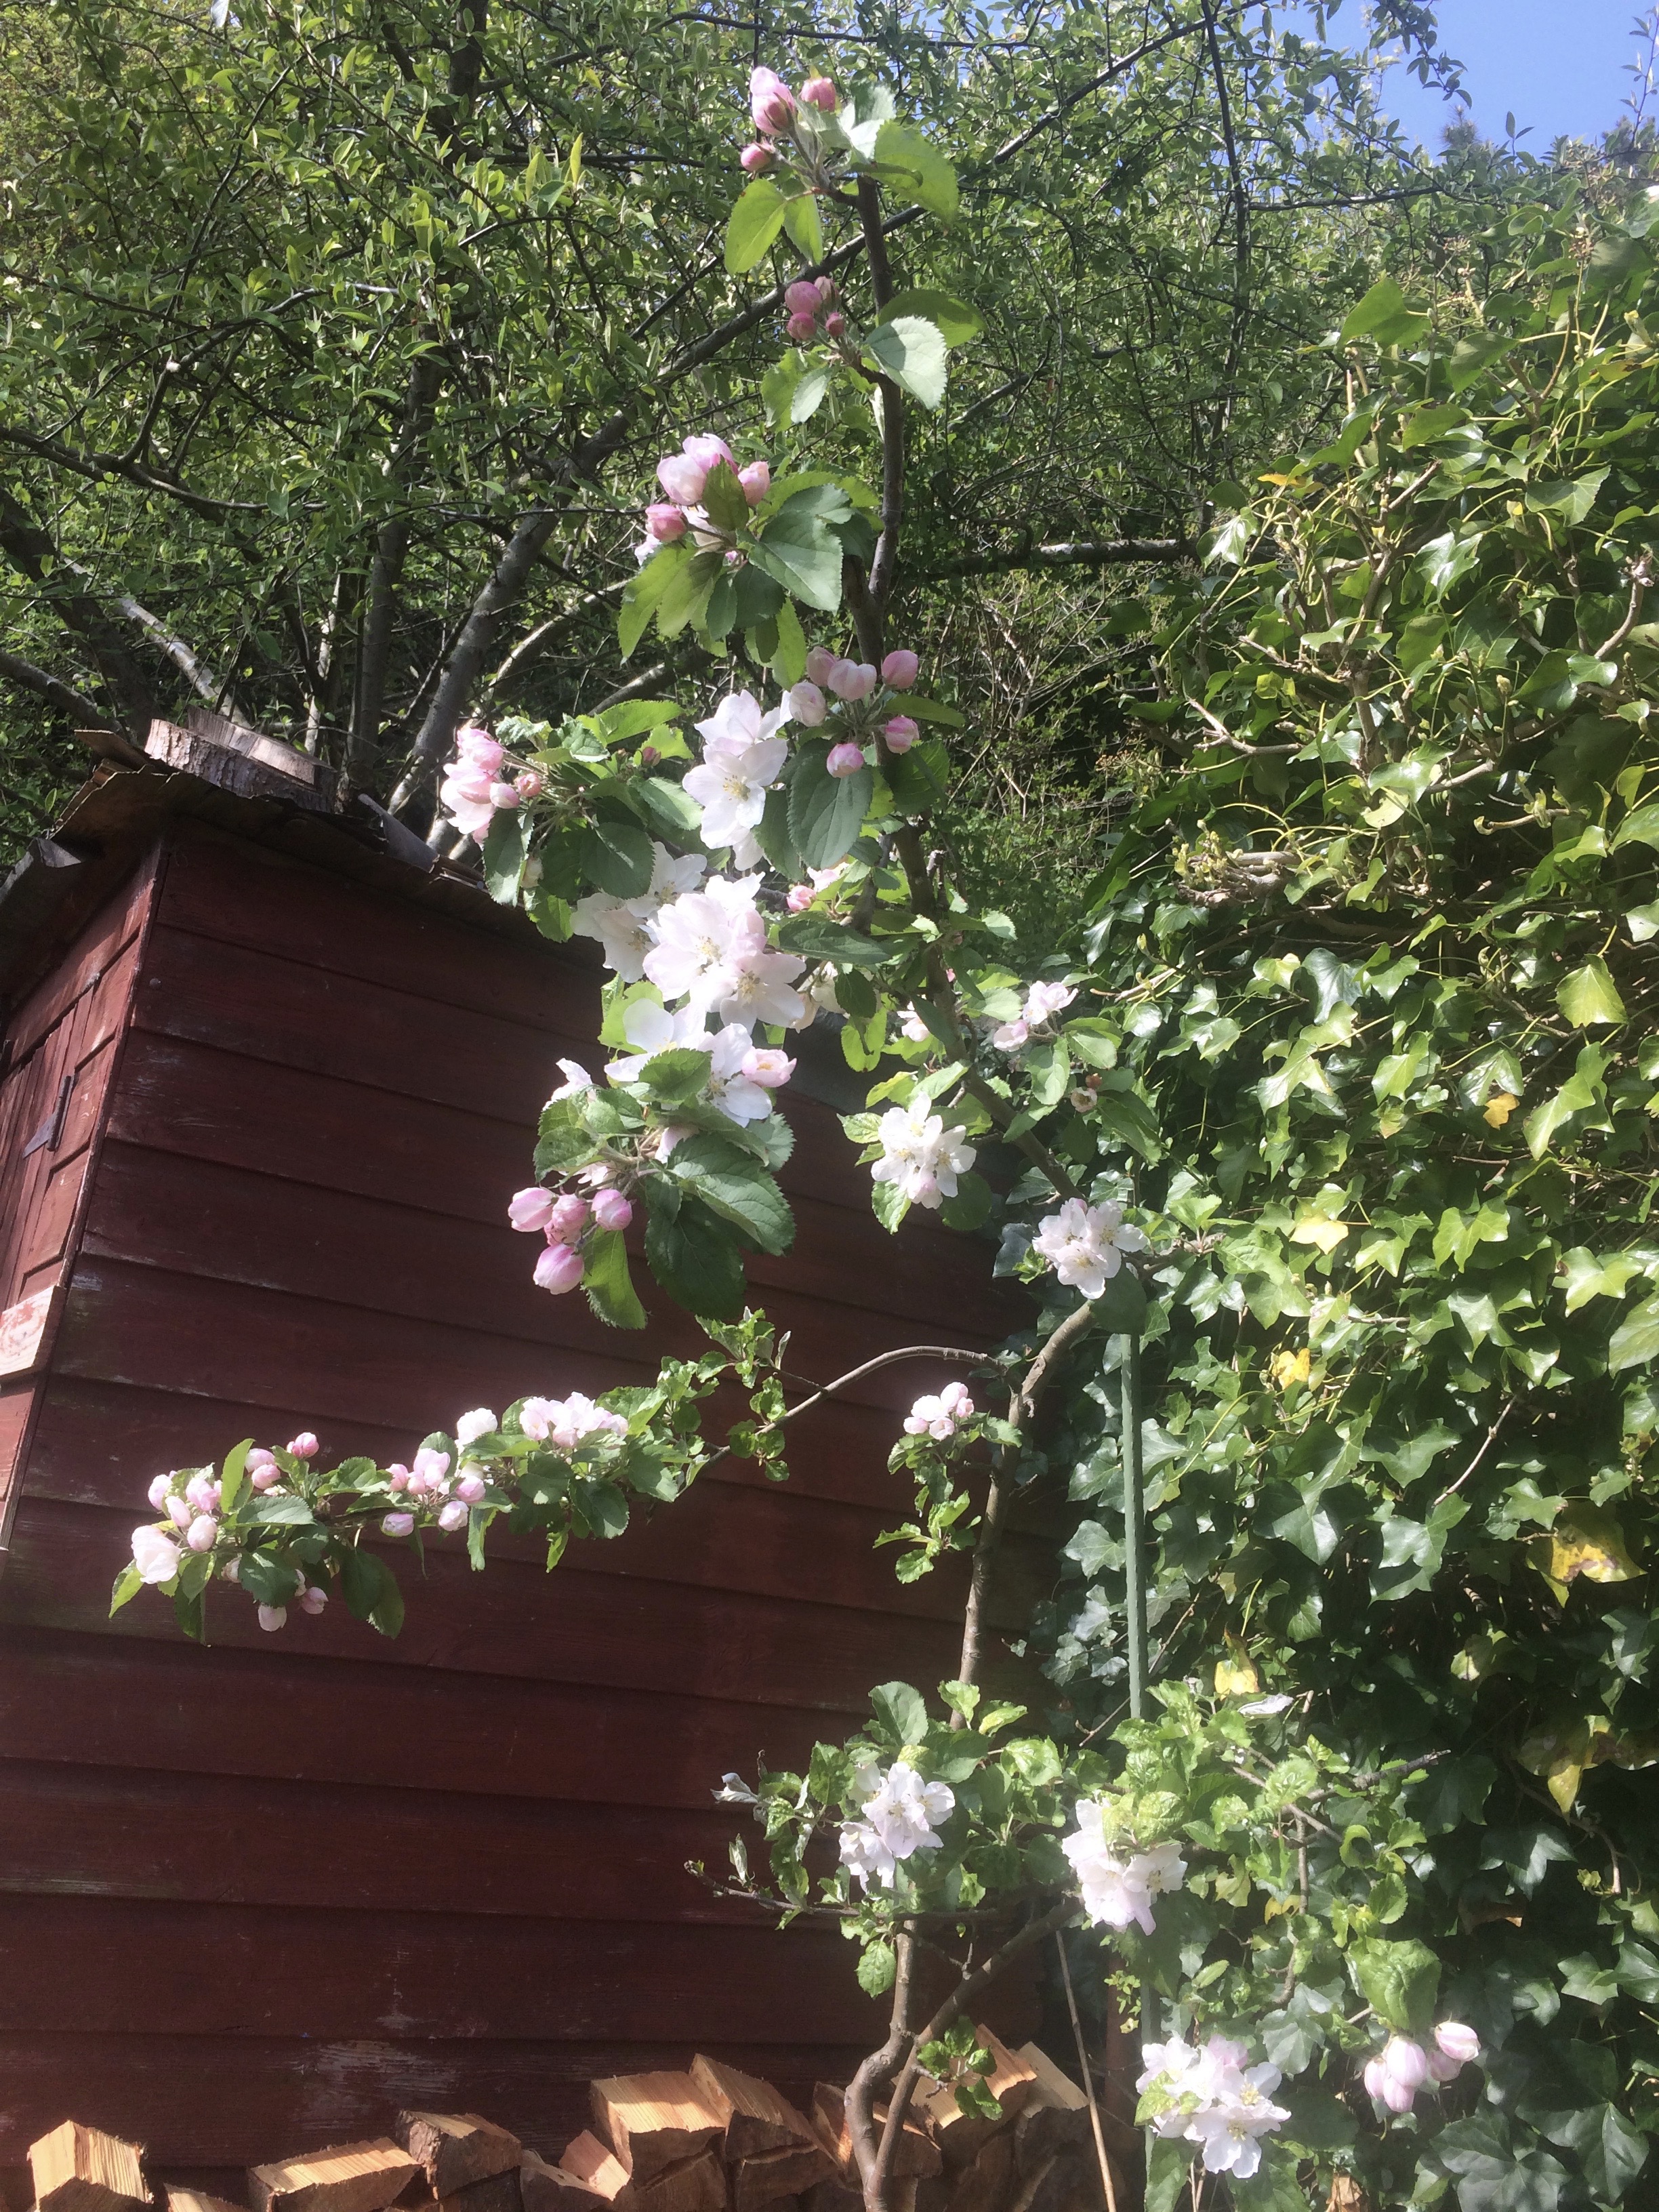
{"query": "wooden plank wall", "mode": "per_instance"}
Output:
(252, 1899)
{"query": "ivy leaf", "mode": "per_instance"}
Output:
(754, 223)
(1492, 2175)
(1635, 1342)
(1566, 501)
(1589, 996)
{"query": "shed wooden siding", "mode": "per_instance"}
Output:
(251, 1898)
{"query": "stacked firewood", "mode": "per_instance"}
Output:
(710, 2140)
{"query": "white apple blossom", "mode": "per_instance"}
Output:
(1118, 1886)
(741, 760)
(1214, 2100)
(1085, 1244)
(899, 1810)
(730, 1089)
(652, 1029)
(937, 1416)
(1042, 1002)
(564, 1422)
(695, 939)
(918, 1155)
(622, 926)
(155, 1554)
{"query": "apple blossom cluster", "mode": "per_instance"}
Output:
(899, 1810)
(192, 1498)
(810, 302)
(564, 1219)
(1209, 2097)
(1118, 1886)
(860, 704)
(938, 1416)
(775, 112)
(432, 1481)
(685, 478)
(475, 787)
(742, 758)
(1084, 1245)
(1404, 2066)
(1042, 1002)
(920, 1157)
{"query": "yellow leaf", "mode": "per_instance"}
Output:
(1271, 476)
(1499, 1106)
(1586, 1541)
(1235, 1676)
(1288, 1367)
(1319, 1229)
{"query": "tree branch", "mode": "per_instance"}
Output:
(81, 710)
(386, 572)
(1096, 553)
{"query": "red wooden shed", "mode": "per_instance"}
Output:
(266, 1091)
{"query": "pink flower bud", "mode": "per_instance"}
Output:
(200, 1492)
(530, 783)
(259, 1457)
(313, 1599)
(559, 1269)
(820, 92)
(482, 753)
(899, 669)
(681, 478)
(179, 1513)
(304, 1446)
(834, 324)
(271, 1616)
(397, 1476)
(471, 1488)
(901, 733)
(801, 895)
(802, 329)
(705, 447)
(845, 760)
(1456, 2041)
(454, 1516)
(568, 1218)
(771, 103)
(159, 1491)
(765, 1065)
(503, 794)
(805, 703)
(756, 481)
(398, 1524)
(826, 289)
(818, 665)
(531, 1209)
(1374, 2078)
(802, 298)
(611, 1210)
(756, 157)
(851, 679)
(201, 1532)
(267, 1477)
(1442, 2068)
(663, 523)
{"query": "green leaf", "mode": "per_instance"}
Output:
(1400, 1981)
(1639, 827)
(816, 937)
(688, 591)
(912, 353)
(370, 1590)
(230, 1475)
(799, 549)
(916, 170)
(805, 225)
(1567, 499)
(693, 1259)
(1384, 315)
(724, 497)
(1635, 1342)
(618, 858)
(1611, 2151)
(826, 812)
(128, 1583)
(1589, 996)
(957, 321)
(901, 1713)
(1491, 2172)
(971, 1207)
(666, 809)
(754, 223)
(875, 1969)
(933, 710)
(506, 849)
(644, 592)
(1475, 351)
(1581, 1093)
(737, 1187)
(679, 1072)
(605, 1280)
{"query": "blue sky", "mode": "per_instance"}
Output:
(1558, 65)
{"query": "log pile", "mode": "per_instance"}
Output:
(708, 2140)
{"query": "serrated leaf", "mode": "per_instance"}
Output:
(754, 223)
(618, 858)
(805, 225)
(912, 353)
(605, 1280)
(916, 169)
(826, 812)
(958, 322)
(506, 848)
(693, 1259)
(737, 1187)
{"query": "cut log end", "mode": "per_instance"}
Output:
(457, 2150)
(81, 2169)
(364, 2176)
